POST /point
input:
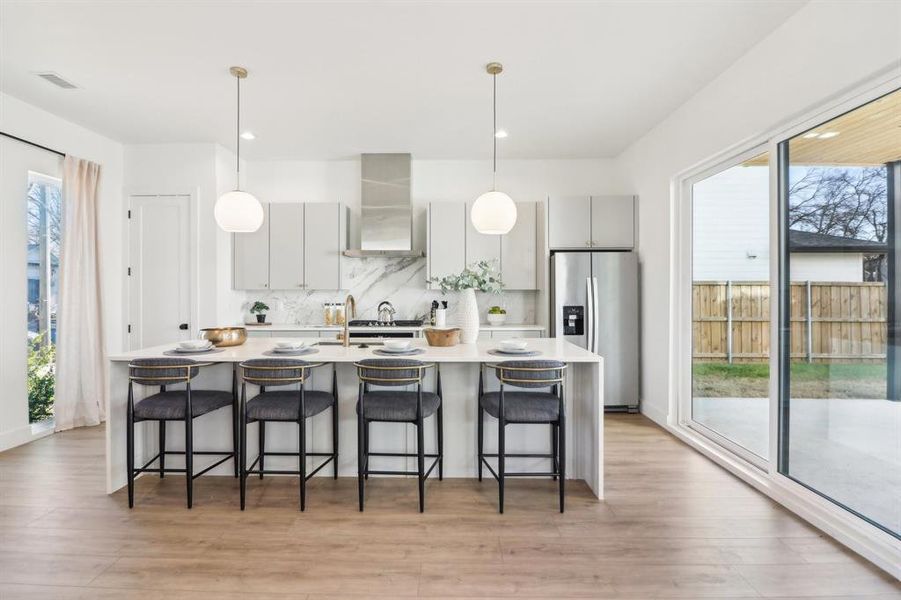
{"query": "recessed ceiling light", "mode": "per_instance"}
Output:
(248, 135)
(810, 136)
(828, 134)
(500, 133)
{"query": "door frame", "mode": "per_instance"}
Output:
(193, 258)
(866, 539)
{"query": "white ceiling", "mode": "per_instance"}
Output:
(332, 80)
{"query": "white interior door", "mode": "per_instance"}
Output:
(160, 270)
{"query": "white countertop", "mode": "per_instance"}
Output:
(550, 348)
(298, 327)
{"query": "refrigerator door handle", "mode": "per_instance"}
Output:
(596, 328)
(589, 302)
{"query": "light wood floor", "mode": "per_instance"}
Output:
(674, 525)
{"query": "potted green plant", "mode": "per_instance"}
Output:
(481, 276)
(497, 315)
(259, 309)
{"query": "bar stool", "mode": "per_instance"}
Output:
(292, 406)
(517, 407)
(397, 406)
(174, 405)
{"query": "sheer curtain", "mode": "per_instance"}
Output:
(81, 361)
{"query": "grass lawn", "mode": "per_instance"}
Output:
(808, 380)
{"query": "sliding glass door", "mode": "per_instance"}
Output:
(840, 415)
(730, 299)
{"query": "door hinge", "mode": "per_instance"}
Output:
(129, 271)
(129, 328)
(129, 214)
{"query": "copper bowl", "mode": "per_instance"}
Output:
(223, 337)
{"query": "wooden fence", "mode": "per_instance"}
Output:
(830, 321)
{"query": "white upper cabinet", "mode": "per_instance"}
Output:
(480, 246)
(569, 222)
(584, 222)
(286, 246)
(613, 221)
(298, 246)
(251, 257)
(325, 237)
(446, 252)
(519, 249)
(454, 244)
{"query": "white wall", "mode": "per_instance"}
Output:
(731, 225)
(826, 266)
(205, 171)
(824, 49)
(26, 121)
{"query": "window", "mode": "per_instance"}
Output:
(840, 427)
(43, 225)
(731, 305)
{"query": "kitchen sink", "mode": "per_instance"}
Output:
(359, 343)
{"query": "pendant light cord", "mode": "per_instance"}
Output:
(494, 131)
(238, 139)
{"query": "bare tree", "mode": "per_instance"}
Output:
(848, 202)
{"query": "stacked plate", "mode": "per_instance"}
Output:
(194, 346)
(292, 347)
(398, 347)
(514, 347)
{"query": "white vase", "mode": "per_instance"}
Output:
(468, 317)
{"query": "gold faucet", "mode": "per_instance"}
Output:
(350, 312)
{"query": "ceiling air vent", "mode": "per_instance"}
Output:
(57, 80)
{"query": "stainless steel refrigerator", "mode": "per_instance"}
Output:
(594, 298)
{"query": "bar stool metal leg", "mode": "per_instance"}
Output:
(335, 419)
(501, 451)
(162, 444)
(366, 425)
(562, 449)
(360, 453)
(555, 465)
(130, 447)
(420, 461)
(189, 448)
(262, 446)
(236, 425)
(302, 448)
(243, 414)
(481, 423)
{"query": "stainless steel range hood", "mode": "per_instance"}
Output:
(386, 210)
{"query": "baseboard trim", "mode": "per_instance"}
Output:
(15, 437)
(869, 541)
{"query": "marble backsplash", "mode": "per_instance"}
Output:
(401, 281)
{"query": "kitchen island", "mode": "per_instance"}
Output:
(459, 366)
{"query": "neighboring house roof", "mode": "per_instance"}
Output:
(809, 241)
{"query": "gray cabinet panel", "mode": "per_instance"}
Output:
(286, 245)
(480, 246)
(519, 249)
(323, 240)
(569, 222)
(251, 257)
(447, 239)
(613, 221)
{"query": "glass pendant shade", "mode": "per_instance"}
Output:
(493, 213)
(238, 212)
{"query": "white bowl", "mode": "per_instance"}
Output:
(290, 344)
(194, 344)
(513, 344)
(497, 318)
(397, 344)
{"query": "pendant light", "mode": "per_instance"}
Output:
(238, 211)
(494, 212)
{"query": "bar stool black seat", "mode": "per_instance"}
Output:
(294, 406)
(397, 406)
(175, 405)
(524, 407)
